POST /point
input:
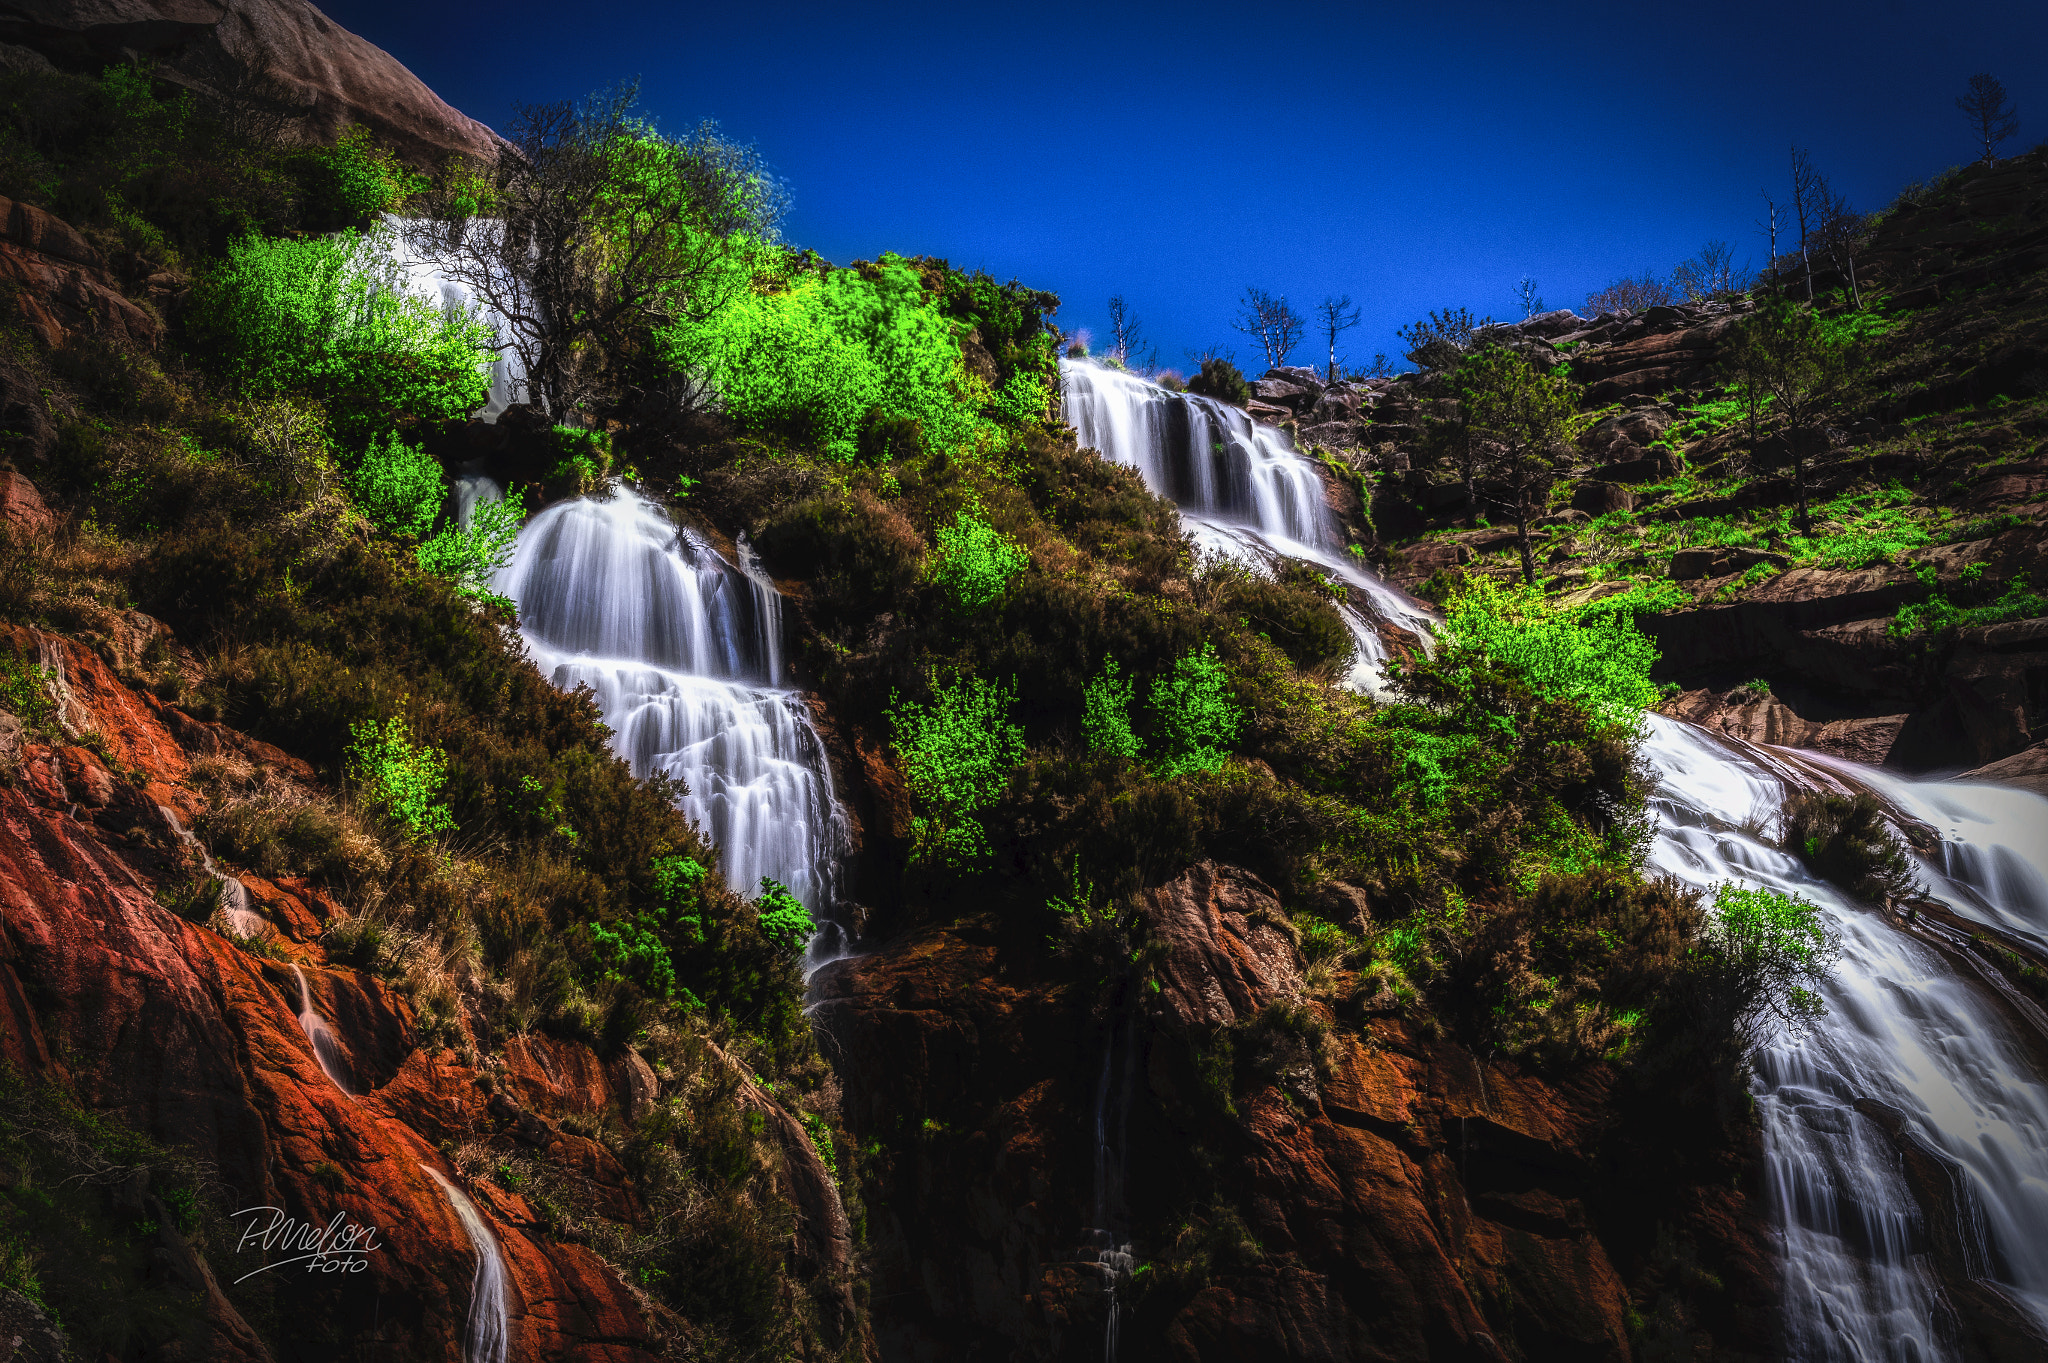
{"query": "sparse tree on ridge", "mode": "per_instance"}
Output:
(1267, 319)
(1768, 225)
(1841, 232)
(1992, 117)
(1527, 298)
(1520, 422)
(1334, 316)
(1441, 339)
(1809, 206)
(1709, 274)
(1783, 352)
(1625, 296)
(1124, 331)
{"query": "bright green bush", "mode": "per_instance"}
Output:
(1193, 716)
(784, 921)
(1596, 657)
(356, 179)
(630, 950)
(326, 316)
(1106, 713)
(1771, 953)
(2018, 602)
(974, 562)
(957, 754)
(398, 486)
(470, 555)
(25, 692)
(400, 777)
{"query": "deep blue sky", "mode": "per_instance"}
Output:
(1413, 157)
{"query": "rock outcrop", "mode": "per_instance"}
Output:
(62, 285)
(299, 54)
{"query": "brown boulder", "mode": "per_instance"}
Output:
(21, 506)
(2027, 769)
(1597, 498)
(1229, 948)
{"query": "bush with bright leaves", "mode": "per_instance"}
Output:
(957, 755)
(398, 487)
(1193, 716)
(400, 777)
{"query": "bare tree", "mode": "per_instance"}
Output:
(1626, 297)
(1841, 235)
(1809, 205)
(1768, 225)
(1334, 316)
(1527, 298)
(1380, 368)
(1267, 319)
(1124, 330)
(593, 228)
(1992, 117)
(1709, 274)
(251, 102)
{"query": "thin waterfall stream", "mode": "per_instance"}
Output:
(488, 1335)
(1908, 1042)
(326, 1046)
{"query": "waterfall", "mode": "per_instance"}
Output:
(1905, 1036)
(684, 652)
(488, 1334)
(419, 276)
(1242, 488)
(234, 895)
(326, 1047)
(1108, 1240)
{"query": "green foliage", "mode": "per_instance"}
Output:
(468, 556)
(25, 692)
(1845, 839)
(630, 950)
(1939, 613)
(973, 562)
(1770, 953)
(585, 459)
(356, 179)
(957, 754)
(1595, 657)
(328, 317)
(1194, 719)
(1440, 340)
(400, 777)
(1221, 380)
(398, 486)
(1106, 713)
(784, 921)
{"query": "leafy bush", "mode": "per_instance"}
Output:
(1766, 956)
(1193, 716)
(1106, 713)
(398, 486)
(2019, 601)
(400, 777)
(469, 556)
(1844, 839)
(356, 179)
(957, 754)
(329, 317)
(973, 562)
(1221, 380)
(1596, 657)
(25, 691)
(784, 921)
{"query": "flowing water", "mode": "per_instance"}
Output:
(422, 278)
(1907, 1042)
(487, 1335)
(684, 651)
(234, 895)
(1242, 488)
(326, 1047)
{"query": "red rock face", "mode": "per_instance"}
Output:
(197, 1042)
(1406, 1199)
(61, 283)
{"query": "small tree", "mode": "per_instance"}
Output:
(957, 754)
(1334, 316)
(1992, 117)
(1518, 419)
(1106, 713)
(1441, 339)
(1709, 274)
(1124, 331)
(1809, 206)
(400, 777)
(973, 561)
(469, 556)
(1193, 716)
(1784, 352)
(1766, 956)
(1268, 319)
(1841, 235)
(398, 487)
(1526, 297)
(1625, 296)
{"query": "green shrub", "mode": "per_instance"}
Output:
(585, 458)
(1938, 613)
(1106, 713)
(1194, 718)
(469, 556)
(1844, 839)
(957, 754)
(973, 562)
(1766, 955)
(1596, 657)
(25, 691)
(398, 486)
(355, 179)
(328, 317)
(400, 777)
(784, 921)
(1221, 380)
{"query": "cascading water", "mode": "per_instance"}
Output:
(488, 1334)
(326, 1046)
(1241, 487)
(1906, 1038)
(684, 652)
(1108, 1241)
(234, 895)
(389, 248)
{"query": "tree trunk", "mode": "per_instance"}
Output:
(1806, 259)
(1855, 294)
(1797, 434)
(1522, 538)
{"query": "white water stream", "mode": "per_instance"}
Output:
(684, 652)
(326, 1047)
(234, 895)
(1242, 489)
(488, 1334)
(1906, 1035)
